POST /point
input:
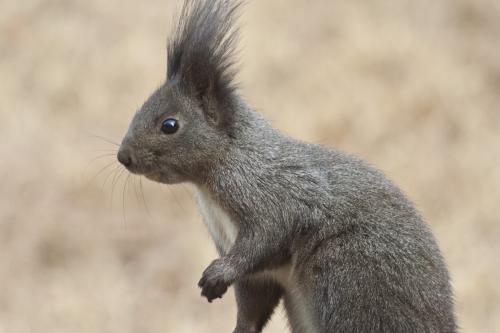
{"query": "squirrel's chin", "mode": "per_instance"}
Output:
(164, 178)
(156, 177)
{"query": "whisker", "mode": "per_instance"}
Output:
(162, 188)
(113, 171)
(172, 193)
(134, 185)
(144, 199)
(93, 160)
(186, 191)
(114, 182)
(114, 150)
(100, 171)
(104, 139)
(123, 200)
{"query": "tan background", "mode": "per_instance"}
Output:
(412, 86)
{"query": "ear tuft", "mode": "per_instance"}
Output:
(200, 53)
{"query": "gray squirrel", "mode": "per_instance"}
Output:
(321, 229)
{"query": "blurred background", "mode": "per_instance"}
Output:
(411, 86)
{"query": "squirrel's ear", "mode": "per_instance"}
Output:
(200, 55)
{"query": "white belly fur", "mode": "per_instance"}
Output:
(224, 232)
(217, 221)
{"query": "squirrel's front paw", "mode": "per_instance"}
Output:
(215, 280)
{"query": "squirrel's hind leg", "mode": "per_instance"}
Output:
(256, 298)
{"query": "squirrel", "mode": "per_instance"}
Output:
(319, 228)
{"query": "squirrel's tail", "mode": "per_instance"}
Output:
(201, 49)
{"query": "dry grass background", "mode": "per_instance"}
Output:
(412, 86)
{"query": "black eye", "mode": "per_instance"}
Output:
(170, 126)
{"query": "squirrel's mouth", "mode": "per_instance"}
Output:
(134, 169)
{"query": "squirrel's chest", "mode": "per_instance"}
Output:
(222, 229)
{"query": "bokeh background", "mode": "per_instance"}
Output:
(411, 86)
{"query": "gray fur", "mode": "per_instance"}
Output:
(316, 227)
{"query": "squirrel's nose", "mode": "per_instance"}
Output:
(124, 157)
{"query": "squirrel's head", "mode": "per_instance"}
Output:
(186, 126)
